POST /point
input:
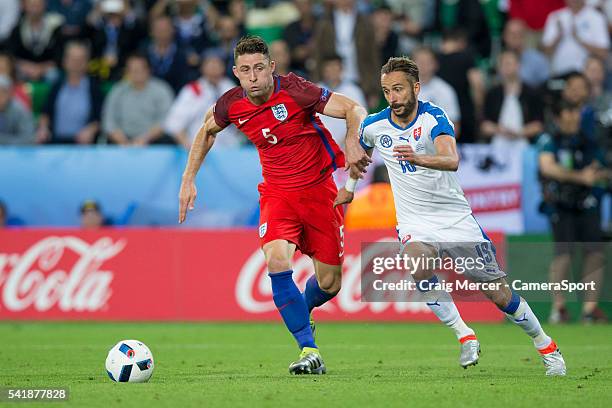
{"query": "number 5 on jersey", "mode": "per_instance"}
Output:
(269, 137)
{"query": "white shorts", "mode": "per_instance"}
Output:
(462, 239)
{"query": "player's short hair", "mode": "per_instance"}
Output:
(402, 64)
(251, 44)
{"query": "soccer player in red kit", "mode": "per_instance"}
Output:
(298, 156)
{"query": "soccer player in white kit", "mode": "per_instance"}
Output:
(417, 142)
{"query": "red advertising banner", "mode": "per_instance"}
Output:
(175, 274)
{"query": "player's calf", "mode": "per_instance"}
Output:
(286, 295)
(323, 285)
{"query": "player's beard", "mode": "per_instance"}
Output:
(408, 107)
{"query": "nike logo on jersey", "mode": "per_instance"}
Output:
(241, 121)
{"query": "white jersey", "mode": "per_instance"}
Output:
(425, 199)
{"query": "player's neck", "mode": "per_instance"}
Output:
(405, 121)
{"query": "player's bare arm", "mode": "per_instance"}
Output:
(341, 107)
(200, 147)
(445, 159)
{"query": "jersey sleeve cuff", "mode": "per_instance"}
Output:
(364, 144)
(442, 130)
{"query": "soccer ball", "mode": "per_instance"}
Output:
(129, 361)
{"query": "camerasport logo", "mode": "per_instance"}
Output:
(254, 292)
(64, 272)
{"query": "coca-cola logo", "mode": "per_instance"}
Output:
(58, 271)
(254, 292)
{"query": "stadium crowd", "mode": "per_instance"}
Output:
(139, 72)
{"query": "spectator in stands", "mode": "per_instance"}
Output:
(385, 38)
(193, 101)
(229, 34)
(75, 15)
(373, 206)
(572, 33)
(577, 91)
(114, 35)
(434, 88)
(415, 17)
(334, 80)
(299, 35)
(513, 111)
(16, 123)
(36, 42)
(350, 34)
(595, 72)
(167, 59)
(136, 107)
(91, 215)
(534, 65)
(533, 13)
(469, 17)
(279, 52)
(457, 66)
(20, 92)
(192, 25)
(570, 166)
(9, 15)
(73, 107)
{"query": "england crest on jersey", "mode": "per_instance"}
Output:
(280, 111)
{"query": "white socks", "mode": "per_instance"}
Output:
(524, 317)
(441, 303)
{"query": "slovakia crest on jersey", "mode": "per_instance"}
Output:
(280, 111)
(417, 133)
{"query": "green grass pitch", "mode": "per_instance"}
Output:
(369, 364)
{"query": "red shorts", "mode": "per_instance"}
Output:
(305, 217)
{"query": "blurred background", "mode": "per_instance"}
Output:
(101, 99)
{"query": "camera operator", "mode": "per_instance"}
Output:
(573, 173)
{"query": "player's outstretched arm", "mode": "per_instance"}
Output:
(342, 107)
(446, 157)
(200, 147)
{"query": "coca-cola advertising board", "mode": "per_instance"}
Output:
(175, 274)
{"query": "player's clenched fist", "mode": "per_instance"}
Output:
(187, 197)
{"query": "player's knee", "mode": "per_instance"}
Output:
(330, 284)
(278, 262)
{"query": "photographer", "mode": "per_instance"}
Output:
(572, 173)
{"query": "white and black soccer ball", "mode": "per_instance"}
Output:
(129, 361)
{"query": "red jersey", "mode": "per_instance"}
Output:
(295, 150)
